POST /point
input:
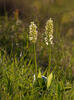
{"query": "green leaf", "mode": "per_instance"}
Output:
(39, 74)
(49, 80)
(67, 88)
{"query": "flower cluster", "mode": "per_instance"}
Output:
(49, 32)
(33, 32)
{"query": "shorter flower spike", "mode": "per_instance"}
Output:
(33, 32)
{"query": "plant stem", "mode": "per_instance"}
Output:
(35, 61)
(49, 64)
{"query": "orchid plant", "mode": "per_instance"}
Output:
(40, 80)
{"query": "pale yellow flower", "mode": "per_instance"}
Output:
(49, 32)
(33, 32)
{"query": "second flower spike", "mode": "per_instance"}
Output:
(49, 32)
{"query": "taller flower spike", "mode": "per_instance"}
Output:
(33, 32)
(49, 32)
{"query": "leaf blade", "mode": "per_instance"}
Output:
(49, 80)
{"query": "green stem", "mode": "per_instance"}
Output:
(35, 61)
(20, 96)
(49, 64)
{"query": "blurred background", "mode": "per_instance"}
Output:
(61, 11)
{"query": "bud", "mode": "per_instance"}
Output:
(16, 14)
(33, 32)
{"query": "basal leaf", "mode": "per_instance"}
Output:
(49, 80)
(39, 74)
